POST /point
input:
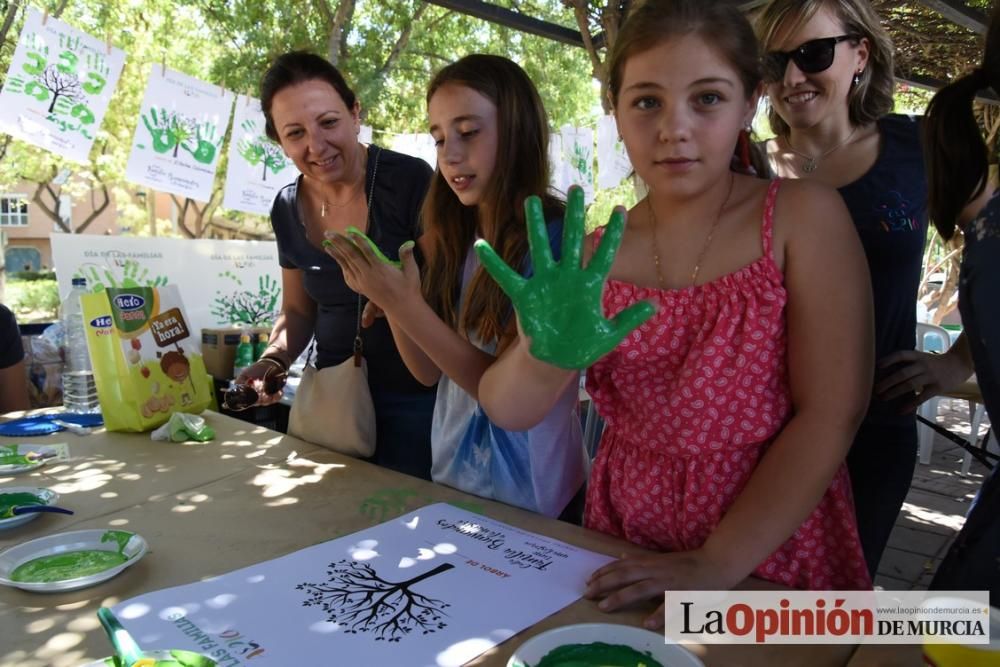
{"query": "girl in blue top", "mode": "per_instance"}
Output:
(961, 194)
(491, 133)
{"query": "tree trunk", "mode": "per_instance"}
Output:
(151, 210)
(53, 211)
(96, 212)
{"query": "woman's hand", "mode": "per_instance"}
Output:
(559, 306)
(262, 375)
(920, 375)
(368, 271)
(639, 578)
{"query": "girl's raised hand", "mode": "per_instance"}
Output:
(368, 271)
(559, 306)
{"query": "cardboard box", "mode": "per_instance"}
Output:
(218, 348)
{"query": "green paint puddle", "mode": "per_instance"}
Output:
(8, 501)
(597, 654)
(71, 565)
(177, 658)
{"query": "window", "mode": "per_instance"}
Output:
(13, 211)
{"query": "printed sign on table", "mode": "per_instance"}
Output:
(220, 282)
(258, 167)
(438, 586)
(58, 87)
(181, 125)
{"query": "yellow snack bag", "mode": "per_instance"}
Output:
(146, 363)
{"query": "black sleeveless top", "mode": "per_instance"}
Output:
(400, 185)
(889, 208)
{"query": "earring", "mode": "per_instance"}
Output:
(743, 148)
(857, 77)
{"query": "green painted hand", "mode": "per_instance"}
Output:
(159, 126)
(356, 235)
(206, 145)
(559, 307)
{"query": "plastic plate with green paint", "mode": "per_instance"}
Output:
(176, 658)
(23, 495)
(68, 561)
(608, 644)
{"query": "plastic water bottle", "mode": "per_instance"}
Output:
(79, 390)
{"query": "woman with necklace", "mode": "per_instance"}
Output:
(312, 113)
(829, 78)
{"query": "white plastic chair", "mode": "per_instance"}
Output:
(931, 337)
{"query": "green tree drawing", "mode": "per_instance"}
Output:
(247, 306)
(257, 149)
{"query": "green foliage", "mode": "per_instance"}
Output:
(38, 297)
(29, 276)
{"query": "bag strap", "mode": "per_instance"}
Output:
(359, 346)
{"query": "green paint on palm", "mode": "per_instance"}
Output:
(354, 231)
(559, 306)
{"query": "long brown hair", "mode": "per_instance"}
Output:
(720, 24)
(871, 98)
(957, 159)
(521, 169)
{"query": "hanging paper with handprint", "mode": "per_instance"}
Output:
(613, 164)
(438, 585)
(578, 157)
(178, 137)
(58, 87)
(258, 167)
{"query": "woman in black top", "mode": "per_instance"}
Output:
(829, 74)
(312, 113)
(13, 382)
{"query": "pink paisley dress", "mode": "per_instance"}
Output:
(691, 401)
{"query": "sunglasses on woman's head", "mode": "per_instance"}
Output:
(810, 57)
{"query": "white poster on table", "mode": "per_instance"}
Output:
(613, 164)
(220, 282)
(435, 587)
(181, 125)
(258, 167)
(578, 157)
(58, 86)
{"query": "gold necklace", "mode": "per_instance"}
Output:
(704, 247)
(811, 163)
(364, 174)
(327, 204)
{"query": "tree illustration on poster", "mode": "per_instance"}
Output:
(247, 306)
(257, 149)
(175, 147)
(257, 166)
(58, 86)
(359, 600)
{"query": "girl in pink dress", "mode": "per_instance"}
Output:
(729, 412)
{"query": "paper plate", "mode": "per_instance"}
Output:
(671, 654)
(64, 543)
(47, 496)
(172, 658)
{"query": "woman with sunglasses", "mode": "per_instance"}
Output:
(828, 73)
